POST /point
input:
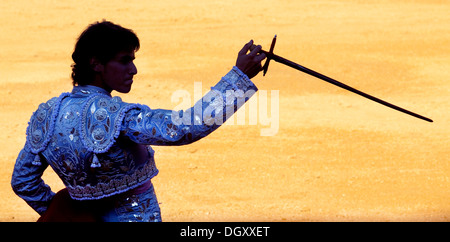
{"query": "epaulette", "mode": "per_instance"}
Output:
(41, 125)
(101, 119)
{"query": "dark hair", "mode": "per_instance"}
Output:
(102, 40)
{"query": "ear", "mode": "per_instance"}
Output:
(96, 65)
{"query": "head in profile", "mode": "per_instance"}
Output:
(103, 57)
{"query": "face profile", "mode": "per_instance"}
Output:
(117, 74)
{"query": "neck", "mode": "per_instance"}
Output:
(98, 82)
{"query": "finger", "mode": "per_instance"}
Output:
(255, 50)
(246, 47)
(260, 57)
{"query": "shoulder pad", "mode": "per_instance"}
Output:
(101, 121)
(42, 123)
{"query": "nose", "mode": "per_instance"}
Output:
(133, 69)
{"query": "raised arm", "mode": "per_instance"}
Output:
(165, 127)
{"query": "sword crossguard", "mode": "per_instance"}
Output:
(266, 64)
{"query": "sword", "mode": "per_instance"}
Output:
(271, 56)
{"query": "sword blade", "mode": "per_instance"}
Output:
(340, 84)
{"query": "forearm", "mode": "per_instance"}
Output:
(27, 183)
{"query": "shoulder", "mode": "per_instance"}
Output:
(101, 108)
(41, 124)
(101, 121)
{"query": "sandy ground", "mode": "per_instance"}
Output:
(335, 156)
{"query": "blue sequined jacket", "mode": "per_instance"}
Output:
(100, 146)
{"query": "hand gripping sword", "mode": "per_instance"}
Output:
(271, 56)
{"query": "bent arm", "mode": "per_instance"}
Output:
(165, 127)
(27, 183)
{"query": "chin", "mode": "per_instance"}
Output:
(124, 90)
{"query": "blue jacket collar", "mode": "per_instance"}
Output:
(89, 89)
